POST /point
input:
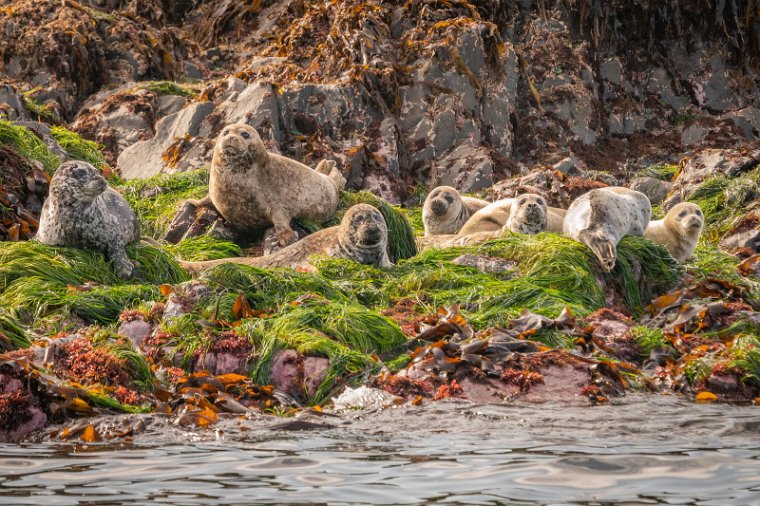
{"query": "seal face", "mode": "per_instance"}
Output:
(445, 210)
(526, 214)
(679, 231)
(252, 188)
(362, 236)
(82, 211)
(603, 216)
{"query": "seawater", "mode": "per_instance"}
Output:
(638, 450)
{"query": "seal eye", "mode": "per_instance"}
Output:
(682, 214)
(521, 202)
(449, 199)
(226, 132)
(699, 213)
(245, 135)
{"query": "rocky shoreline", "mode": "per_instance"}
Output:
(494, 98)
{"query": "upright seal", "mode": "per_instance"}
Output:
(603, 216)
(252, 188)
(362, 236)
(679, 231)
(84, 212)
(445, 210)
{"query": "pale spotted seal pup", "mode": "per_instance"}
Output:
(679, 231)
(82, 211)
(252, 188)
(445, 210)
(526, 214)
(603, 216)
(362, 236)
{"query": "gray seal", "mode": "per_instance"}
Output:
(445, 210)
(82, 211)
(362, 236)
(603, 216)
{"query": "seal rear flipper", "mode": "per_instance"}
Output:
(328, 168)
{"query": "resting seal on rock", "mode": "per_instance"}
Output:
(84, 212)
(526, 214)
(445, 210)
(252, 188)
(603, 216)
(679, 231)
(362, 236)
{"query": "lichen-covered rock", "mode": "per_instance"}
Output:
(71, 51)
(707, 164)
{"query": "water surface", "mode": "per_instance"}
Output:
(645, 450)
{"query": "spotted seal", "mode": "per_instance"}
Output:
(84, 212)
(362, 236)
(445, 210)
(679, 231)
(603, 216)
(526, 214)
(252, 188)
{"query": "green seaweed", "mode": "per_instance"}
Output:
(661, 171)
(171, 88)
(746, 357)
(36, 279)
(12, 333)
(41, 112)
(156, 199)
(28, 145)
(78, 148)
(270, 288)
(203, 248)
(648, 339)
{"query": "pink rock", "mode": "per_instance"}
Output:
(136, 331)
(314, 371)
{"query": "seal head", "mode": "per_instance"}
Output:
(528, 214)
(363, 234)
(238, 147)
(444, 211)
(679, 231)
(82, 211)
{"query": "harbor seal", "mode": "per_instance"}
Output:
(84, 212)
(252, 188)
(362, 236)
(679, 231)
(526, 214)
(603, 216)
(445, 210)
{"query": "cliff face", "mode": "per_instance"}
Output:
(400, 93)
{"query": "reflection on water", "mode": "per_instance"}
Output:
(644, 451)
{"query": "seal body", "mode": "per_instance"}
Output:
(82, 211)
(603, 216)
(445, 210)
(679, 231)
(362, 236)
(252, 188)
(526, 214)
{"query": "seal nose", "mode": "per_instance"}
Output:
(372, 234)
(438, 206)
(693, 223)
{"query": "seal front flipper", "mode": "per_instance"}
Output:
(282, 230)
(204, 202)
(122, 264)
